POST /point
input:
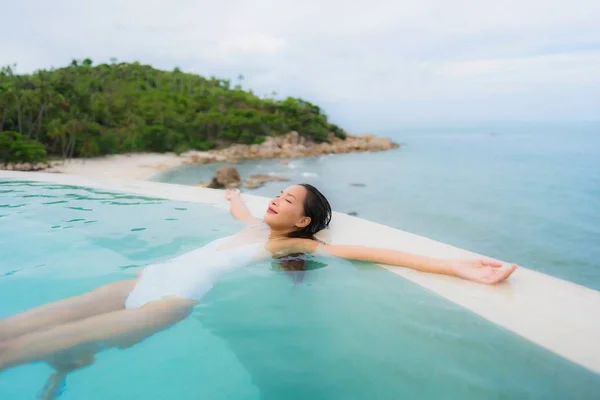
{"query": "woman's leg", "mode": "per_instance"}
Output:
(56, 381)
(116, 329)
(107, 298)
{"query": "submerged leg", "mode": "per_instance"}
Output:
(107, 298)
(55, 384)
(116, 329)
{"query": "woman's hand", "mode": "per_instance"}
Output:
(237, 207)
(230, 194)
(482, 270)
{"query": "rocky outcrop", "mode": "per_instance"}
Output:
(256, 181)
(229, 177)
(226, 177)
(293, 145)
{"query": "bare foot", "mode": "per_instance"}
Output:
(55, 385)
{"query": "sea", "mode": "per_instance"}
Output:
(526, 192)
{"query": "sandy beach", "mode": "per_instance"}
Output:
(137, 166)
(142, 166)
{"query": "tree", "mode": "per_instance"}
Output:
(14, 148)
(28, 151)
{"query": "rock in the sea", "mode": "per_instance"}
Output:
(226, 177)
(353, 213)
(256, 181)
(293, 145)
(358, 184)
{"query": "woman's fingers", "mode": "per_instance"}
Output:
(229, 193)
(490, 262)
(498, 276)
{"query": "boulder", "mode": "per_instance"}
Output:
(225, 177)
(256, 181)
(293, 138)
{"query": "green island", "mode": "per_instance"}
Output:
(86, 110)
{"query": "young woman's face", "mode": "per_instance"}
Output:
(286, 211)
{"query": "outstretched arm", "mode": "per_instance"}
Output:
(482, 270)
(238, 208)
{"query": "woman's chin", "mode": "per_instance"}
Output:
(272, 219)
(268, 217)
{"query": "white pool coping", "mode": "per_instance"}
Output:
(558, 315)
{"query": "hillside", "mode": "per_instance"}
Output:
(84, 110)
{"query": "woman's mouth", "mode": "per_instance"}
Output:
(271, 211)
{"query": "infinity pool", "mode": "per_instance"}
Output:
(340, 331)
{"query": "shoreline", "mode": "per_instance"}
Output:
(130, 166)
(145, 166)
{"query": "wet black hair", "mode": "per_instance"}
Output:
(317, 208)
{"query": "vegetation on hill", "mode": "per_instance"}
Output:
(84, 110)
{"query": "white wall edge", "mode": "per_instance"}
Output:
(550, 312)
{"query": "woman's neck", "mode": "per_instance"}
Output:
(278, 234)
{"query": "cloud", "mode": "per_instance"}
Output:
(250, 44)
(365, 61)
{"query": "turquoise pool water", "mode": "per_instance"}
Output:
(348, 330)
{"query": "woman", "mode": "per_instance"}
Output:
(67, 333)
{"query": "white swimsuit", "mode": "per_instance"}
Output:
(192, 274)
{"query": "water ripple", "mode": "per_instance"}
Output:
(80, 208)
(125, 267)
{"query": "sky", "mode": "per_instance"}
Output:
(371, 65)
